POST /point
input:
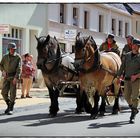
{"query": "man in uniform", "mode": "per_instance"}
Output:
(110, 45)
(10, 66)
(128, 47)
(130, 67)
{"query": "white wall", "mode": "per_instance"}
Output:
(25, 16)
(54, 12)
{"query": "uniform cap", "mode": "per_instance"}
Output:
(12, 45)
(130, 36)
(110, 36)
(136, 41)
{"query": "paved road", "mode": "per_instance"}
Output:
(31, 120)
(38, 96)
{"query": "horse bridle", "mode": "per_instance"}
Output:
(82, 61)
(57, 61)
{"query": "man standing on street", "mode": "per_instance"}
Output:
(10, 66)
(130, 69)
(128, 47)
(110, 45)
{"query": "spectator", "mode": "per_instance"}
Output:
(110, 45)
(28, 71)
(10, 66)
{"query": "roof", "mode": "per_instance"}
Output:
(119, 6)
(135, 7)
(127, 7)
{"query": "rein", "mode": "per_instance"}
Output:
(61, 65)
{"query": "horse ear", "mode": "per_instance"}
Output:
(55, 38)
(37, 38)
(78, 36)
(47, 38)
(87, 39)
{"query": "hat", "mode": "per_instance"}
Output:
(130, 36)
(110, 36)
(12, 45)
(136, 41)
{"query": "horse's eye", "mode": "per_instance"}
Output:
(44, 49)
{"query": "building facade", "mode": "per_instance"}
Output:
(91, 19)
(64, 21)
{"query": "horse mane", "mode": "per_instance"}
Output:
(96, 54)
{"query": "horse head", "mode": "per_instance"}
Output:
(48, 53)
(86, 53)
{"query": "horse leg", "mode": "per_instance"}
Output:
(116, 108)
(54, 102)
(79, 102)
(86, 104)
(94, 111)
(102, 106)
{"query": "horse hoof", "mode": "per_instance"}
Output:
(115, 112)
(93, 116)
(102, 113)
(78, 112)
(52, 115)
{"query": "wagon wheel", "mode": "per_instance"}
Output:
(110, 97)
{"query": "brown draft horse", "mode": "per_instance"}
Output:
(96, 72)
(56, 67)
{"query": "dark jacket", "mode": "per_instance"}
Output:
(114, 47)
(11, 64)
(125, 50)
(130, 65)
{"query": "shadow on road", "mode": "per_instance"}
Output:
(44, 119)
(113, 124)
(68, 116)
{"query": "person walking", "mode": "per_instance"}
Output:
(130, 69)
(27, 75)
(127, 47)
(10, 66)
(110, 45)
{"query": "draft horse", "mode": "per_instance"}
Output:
(96, 73)
(56, 67)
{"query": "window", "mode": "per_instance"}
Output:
(13, 31)
(75, 16)
(63, 47)
(16, 33)
(120, 28)
(20, 34)
(126, 29)
(101, 23)
(62, 11)
(138, 27)
(114, 26)
(86, 20)
(73, 48)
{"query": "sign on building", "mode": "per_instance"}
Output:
(70, 34)
(4, 29)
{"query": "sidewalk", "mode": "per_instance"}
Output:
(39, 95)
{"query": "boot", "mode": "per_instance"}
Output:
(133, 115)
(11, 107)
(130, 106)
(8, 106)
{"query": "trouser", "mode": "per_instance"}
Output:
(131, 92)
(8, 87)
(26, 85)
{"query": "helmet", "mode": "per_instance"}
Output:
(12, 45)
